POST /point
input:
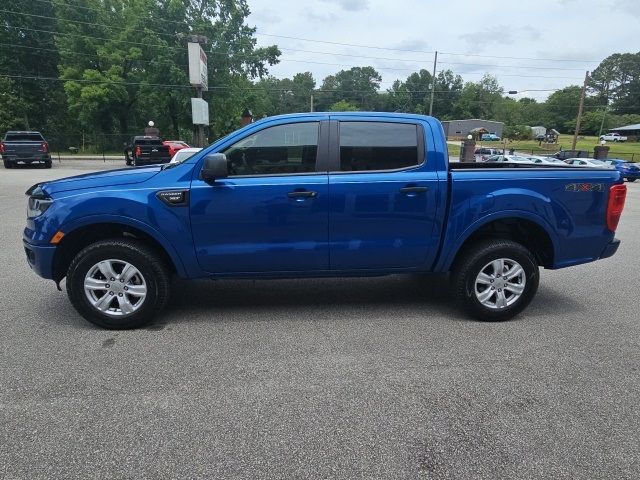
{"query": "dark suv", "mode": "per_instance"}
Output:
(564, 154)
(24, 147)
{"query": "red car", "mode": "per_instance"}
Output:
(174, 146)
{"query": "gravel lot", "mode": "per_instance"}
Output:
(353, 378)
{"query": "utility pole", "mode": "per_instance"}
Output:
(579, 119)
(311, 103)
(433, 83)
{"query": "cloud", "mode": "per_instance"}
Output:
(264, 16)
(496, 35)
(321, 17)
(417, 44)
(350, 5)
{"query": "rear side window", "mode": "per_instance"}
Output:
(378, 146)
(23, 137)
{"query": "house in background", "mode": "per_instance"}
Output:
(459, 129)
(538, 131)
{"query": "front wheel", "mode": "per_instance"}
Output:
(118, 284)
(495, 279)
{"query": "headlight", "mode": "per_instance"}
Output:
(37, 206)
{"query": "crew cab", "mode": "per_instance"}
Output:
(146, 150)
(24, 147)
(317, 195)
(613, 137)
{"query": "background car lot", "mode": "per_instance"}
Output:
(347, 378)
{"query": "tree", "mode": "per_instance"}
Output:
(342, 106)
(479, 100)
(358, 86)
(616, 81)
(125, 62)
(29, 62)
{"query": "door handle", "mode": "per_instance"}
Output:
(302, 194)
(414, 189)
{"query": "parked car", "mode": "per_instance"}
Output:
(508, 159)
(24, 147)
(490, 137)
(174, 146)
(613, 137)
(482, 153)
(183, 154)
(146, 150)
(564, 154)
(630, 171)
(284, 198)
(588, 162)
(544, 160)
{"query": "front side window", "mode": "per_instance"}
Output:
(378, 146)
(275, 150)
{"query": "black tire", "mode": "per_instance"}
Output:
(473, 261)
(148, 263)
(8, 164)
(47, 164)
(128, 162)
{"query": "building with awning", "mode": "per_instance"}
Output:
(632, 132)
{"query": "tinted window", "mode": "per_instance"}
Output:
(276, 150)
(23, 137)
(377, 146)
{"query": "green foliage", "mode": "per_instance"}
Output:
(358, 86)
(517, 132)
(343, 106)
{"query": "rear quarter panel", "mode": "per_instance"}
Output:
(575, 220)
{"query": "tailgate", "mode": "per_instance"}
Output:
(23, 149)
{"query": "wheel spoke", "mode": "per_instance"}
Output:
(125, 305)
(498, 266)
(484, 279)
(103, 303)
(127, 272)
(486, 295)
(137, 290)
(95, 284)
(501, 300)
(106, 268)
(515, 288)
(513, 272)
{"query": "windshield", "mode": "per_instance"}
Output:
(181, 156)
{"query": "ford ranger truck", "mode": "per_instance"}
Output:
(317, 195)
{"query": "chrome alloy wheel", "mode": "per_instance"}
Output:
(115, 287)
(500, 283)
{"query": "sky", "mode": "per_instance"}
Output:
(550, 44)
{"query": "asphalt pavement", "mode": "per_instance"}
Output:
(335, 378)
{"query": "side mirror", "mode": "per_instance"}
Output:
(214, 167)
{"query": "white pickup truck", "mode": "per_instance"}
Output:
(613, 137)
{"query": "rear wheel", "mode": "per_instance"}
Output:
(47, 164)
(118, 284)
(7, 163)
(496, 279)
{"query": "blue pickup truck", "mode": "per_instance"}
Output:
(320, 194)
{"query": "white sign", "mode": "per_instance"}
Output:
(199, 111)
(198, 76)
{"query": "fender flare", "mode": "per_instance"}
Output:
(444, 264)
(131, 222)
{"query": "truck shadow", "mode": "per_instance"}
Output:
(246, 300)
(196, 297)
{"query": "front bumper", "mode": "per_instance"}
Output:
(40, 258)
(610, 249)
